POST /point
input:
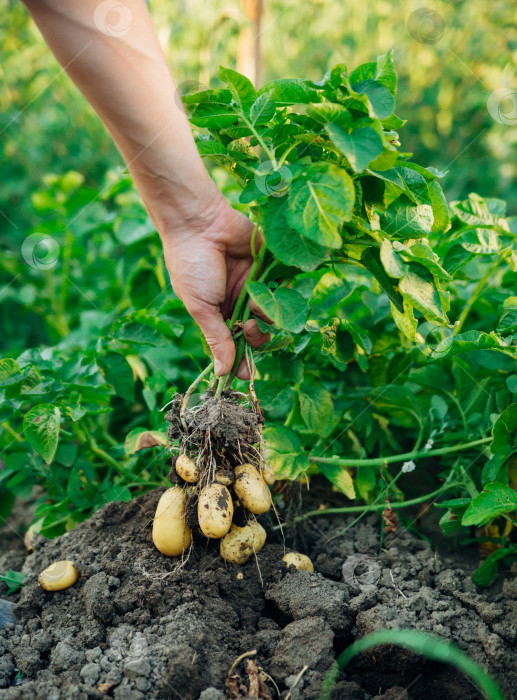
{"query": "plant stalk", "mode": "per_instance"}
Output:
(379, 461)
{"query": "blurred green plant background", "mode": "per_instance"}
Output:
(451, 57)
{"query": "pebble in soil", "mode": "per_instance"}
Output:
(136, 626)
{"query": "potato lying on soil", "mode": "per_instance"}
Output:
(300, 561)
(240, 543)
(251, 489)
(187, 469)
(58, 576)
(215, 510)
(171, 534)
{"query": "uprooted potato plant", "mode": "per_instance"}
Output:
(325, 183)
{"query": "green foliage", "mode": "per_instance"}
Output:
(13, 580)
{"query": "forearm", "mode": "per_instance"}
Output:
(126, 80)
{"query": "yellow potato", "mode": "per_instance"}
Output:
(268, 475)
(57, 576)
(300, 561)
(187, 469)
(215, 510)
(240, 543)
(171, 534)
(251, 489)
(224, 477)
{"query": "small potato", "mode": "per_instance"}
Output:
(268, 475)
(60, 575)
(187, 469)
(225, 477)
(215, 510)
(240, 543)
(251, 489)
(171, 534)
(300, 561)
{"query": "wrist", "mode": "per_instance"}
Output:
(183, 202)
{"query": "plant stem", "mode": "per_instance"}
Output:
(379, 461)
(474, 296)
(241, 299)
(259, 138)
(381, 506)
(294, 408)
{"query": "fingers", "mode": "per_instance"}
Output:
(217, 335)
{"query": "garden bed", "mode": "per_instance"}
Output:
(137, 626)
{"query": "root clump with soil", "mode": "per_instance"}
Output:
(222, 467)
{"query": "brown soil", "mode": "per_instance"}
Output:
(137, 626)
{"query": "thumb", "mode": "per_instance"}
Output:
(217, 334)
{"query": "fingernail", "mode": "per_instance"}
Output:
(218, 367)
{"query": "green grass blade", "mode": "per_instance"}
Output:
(421, 643)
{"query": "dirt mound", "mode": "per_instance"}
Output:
(136, 626)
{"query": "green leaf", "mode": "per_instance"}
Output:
(284, 452)
(219, 96)
(321, 198)
(241, 87)
(291, 91)
(476, 211)
(340, 477)
(494, 500)
(419, 288)
(361, 146)
(116, 371)
(336, 344)
(404, 219)
(371, 260)
(140, 439)
(316, 408)
(41, 427)
(263, 109)
(485, 574)
(285, 307)
(144, 287)
(382, 70)
(13, 580)
(483, 241)
(505, 431)
(508, 321)
(210, 115)
(289, 245)
(379, 97)
(405, 322)
(10, 372)
(324, 112)
(210, 147)
(441, 218)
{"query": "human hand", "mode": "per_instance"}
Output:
(208, 258)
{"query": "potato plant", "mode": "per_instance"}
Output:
(392, 345)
